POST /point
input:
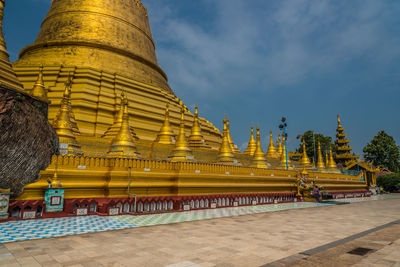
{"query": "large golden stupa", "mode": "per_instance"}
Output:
(126, 140)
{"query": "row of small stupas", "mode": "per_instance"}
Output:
(123, 137)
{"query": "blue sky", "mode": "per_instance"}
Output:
(259, 60)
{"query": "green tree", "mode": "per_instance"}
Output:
(383, 151)
(309, 138)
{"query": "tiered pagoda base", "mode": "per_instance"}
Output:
(118, 185)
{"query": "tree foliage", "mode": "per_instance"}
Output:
(383, 151)
(309, 139)
(390, 182)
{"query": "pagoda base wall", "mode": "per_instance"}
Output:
(111, 182)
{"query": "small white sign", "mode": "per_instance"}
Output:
(254, 202)
(190, 157)
(113, 211)
(186, 207)
(82, 167)
(227, 173)
(252, 174)
(197, 171)
(63, 146)
(235, 204)
(295, 200)
(275, 201)
(147, 170)
(213, 205)
(82, 211)
(29, 214)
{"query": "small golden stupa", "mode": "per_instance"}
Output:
(271, 153)
(251, 147)
(259, 160)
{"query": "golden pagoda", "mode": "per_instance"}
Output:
(271, 153)
(7, 74)
(182, 151)
(305, 161)
(285, 161)
(259, 160)
(123, 143)
(342, 148)
(279, 146)
(231, 143)
(225, 154)
(121, 54)
(38, 89)
(98, 47)
(251, 147)
(196, 139)
(320, 163)
(166, 135)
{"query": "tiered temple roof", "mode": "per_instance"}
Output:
(342, 148)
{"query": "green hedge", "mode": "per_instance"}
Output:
(389, 182)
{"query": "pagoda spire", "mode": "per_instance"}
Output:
(68, 84)
(271, 153)
(284, 159)
(279, 145)
(251, 147)
(305, 161)
(259, 160)
(113, 130)
(225, 154)
(331, 163)
(7, 77)
(182, 151)
(196, 139)
(38, 89)
(320, 163)
(231, 143)
(166, 135)
(62, 124)
(343, 150)
(123, 142)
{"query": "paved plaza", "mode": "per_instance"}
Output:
(259, 238)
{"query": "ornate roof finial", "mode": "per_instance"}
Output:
(123, 143)
(225, 154)
(320, 163)
(251, 147)
(259, 158)
(182, 151)
(113, 130)
(68, 85)
(63, 126)
(305, 161)
(166, 135)
(38, 89)
(271, 153)
(331, 164)
(196, 139)
(234, 147)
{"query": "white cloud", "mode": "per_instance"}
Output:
(262, 45)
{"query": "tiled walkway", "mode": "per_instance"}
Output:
(55, 227)
(249, 240)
